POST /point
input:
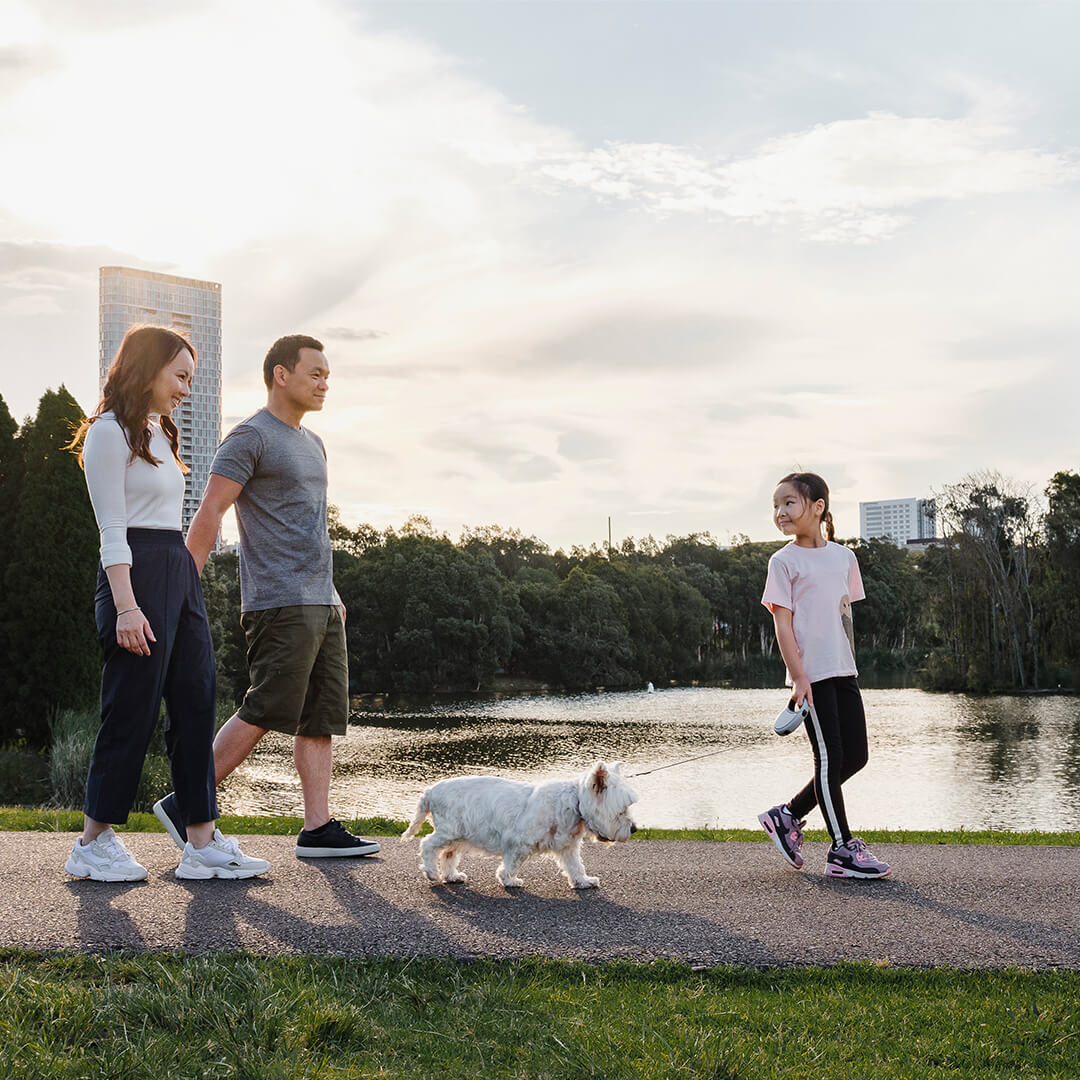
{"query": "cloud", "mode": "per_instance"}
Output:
(400, 372)
(347, 333)
(513, 463)
(578, 445)
(19, 257)
(845, 181)
(20, 62)
(650, 341)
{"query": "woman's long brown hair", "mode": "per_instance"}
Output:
(144, 351)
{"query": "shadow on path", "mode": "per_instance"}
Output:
(1062, 940)
(588, 924)
(216, 919)
(101, 926)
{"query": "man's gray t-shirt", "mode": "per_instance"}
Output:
(285, 556)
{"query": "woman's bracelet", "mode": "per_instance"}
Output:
(127, 610)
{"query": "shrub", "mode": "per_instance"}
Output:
(72, 737)
(73, 734)
(24, 777)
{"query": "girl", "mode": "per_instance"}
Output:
(150, 616)
(811, 585)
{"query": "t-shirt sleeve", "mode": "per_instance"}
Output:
(855, 585)
(105, 458)
(238, 454)
(778, 591)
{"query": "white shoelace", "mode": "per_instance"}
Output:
(227, 843)
(112, 848)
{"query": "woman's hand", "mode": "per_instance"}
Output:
(133, 632)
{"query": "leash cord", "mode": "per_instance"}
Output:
(671, 765)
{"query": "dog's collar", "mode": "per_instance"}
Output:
(585, 821)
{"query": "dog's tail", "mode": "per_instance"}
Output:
(423, 808)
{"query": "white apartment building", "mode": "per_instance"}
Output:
(129, 297)
(900, 520)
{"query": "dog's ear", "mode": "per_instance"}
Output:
(616, 767)
(599, 779)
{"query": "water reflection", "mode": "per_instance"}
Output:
(936, 760)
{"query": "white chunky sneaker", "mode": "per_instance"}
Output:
(221, 858)
(104, 859)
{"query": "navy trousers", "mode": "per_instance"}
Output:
(180, 669)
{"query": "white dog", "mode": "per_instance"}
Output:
(516, 820)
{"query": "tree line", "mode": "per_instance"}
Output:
(995, 605)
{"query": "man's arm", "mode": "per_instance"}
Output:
(219, 495)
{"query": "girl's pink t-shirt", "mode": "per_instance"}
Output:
(818, 586)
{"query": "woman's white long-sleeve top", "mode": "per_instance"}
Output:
(130, 494)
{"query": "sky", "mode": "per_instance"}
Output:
(575, 260)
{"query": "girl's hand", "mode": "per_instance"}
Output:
(801, 690)
(133, 632)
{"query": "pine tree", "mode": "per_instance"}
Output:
(53, 658)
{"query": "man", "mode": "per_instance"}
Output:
(274, 471)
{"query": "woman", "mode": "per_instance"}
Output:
(150, 617)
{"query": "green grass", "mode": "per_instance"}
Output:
(44, 819)
(40, 819)
(880, 836)
(127, 1017)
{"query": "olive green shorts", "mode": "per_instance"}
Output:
(299, 670)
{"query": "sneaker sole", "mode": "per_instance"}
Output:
(170, 828)
(844, 872)
(84, 873)
(766, 823)
(335, 852)
(206, 873)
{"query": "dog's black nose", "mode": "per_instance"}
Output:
(633, 828)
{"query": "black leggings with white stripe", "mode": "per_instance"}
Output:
(838, 740)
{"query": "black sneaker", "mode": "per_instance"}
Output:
(168, 813)
(332, 840)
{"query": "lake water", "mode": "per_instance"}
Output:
(936, 760)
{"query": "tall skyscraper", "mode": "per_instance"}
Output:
(130, 297)
(899, 520)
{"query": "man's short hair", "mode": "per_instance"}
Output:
(286, 351)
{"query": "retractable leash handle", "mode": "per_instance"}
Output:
(792, 718)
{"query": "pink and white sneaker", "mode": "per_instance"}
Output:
(854, 860)
(786, 833)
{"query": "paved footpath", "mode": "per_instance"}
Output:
(704, 903)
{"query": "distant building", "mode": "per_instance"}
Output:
(129, 297)
(898, 520)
